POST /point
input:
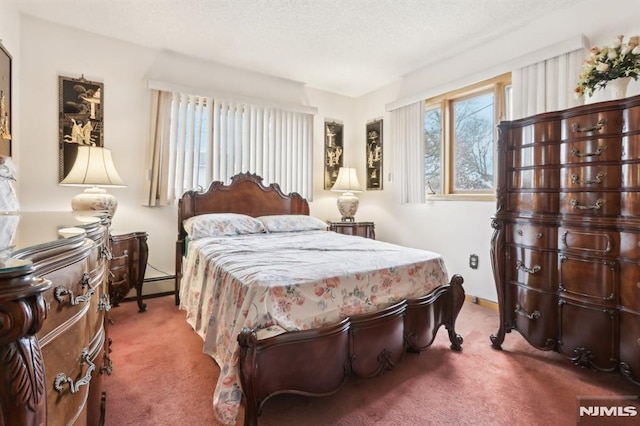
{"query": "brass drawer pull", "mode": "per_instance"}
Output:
(575, 152)
(106, 253)
(520, 266)
(598, 126)
(521, 233)
(104, 304)
(531, 316)
(598, 179)
(597, 206)
(74, 387)
(61, 291)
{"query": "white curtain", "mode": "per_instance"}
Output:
(157, 177)
(212, 140)
(547, 85)
(407, 126)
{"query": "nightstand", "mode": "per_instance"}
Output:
(129, 253)
(360, 229)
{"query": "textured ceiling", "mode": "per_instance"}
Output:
(349, 47)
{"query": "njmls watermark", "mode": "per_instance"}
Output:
(608, 410)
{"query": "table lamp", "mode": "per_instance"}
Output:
(347, 183)
(94, 168)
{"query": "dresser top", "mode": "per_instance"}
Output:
(29, 229)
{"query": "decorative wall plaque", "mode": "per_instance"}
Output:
(333, 149)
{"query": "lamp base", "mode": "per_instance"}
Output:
(348, 206)
(94, 202)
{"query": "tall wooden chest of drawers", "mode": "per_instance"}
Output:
(566, 243)
(54, 347)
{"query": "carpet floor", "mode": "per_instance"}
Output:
(161, 377)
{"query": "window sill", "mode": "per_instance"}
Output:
(461, 197)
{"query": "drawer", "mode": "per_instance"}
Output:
(533, 202)
(631, 117)
(591, 177)
(69, 292)
(630, 285)
(99, 302)
(532, 235)
(536, 155)
(595, 124)
(592, 150)
(548, 131)
(590, 203)
(630, 204)
(63, 355)
(631, 147)
(630, 344)
(542, 178)
(534, 314)
(596, 279)
(588, 242)
(630, 245)
(588, 334)
(96, 259)
(533, 268)
(630, 176)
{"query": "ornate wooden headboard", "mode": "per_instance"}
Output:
(245, 194)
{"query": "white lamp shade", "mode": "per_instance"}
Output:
(347, 181)
(93, 166)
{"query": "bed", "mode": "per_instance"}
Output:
(294, 308)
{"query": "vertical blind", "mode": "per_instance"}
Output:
(212, 140)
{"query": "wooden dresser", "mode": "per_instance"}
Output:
(53, 322)
(128, 265)
(360, 229)
(566, 242)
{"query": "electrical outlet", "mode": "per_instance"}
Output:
(473, 261)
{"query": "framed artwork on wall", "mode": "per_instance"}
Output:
(80, 103)
(5, 102)
(333, 149)
(374, 154)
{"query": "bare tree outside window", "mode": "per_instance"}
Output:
(433, 150)
(473, 143)
(460, 139)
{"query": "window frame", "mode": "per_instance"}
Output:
(498, 86)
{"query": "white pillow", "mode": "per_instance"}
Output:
(291, 223)
(221, 224)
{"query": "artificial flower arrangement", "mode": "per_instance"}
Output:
(608, 63)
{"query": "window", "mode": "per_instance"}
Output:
(460, 138)
(198, 140)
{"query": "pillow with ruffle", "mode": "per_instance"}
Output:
(220, 225)
(291, 223)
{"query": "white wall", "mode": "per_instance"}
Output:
(460, 228)
(49, 50)
(455, 229)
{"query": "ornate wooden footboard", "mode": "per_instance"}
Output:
(318, 362)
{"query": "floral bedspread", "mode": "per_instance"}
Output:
(297, 280)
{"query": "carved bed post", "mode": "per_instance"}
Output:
(22, 312)
(248, 341)
(457, 300)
